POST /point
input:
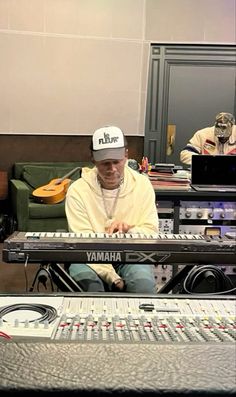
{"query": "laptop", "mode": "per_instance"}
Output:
(213, 173)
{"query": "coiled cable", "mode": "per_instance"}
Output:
(48, 313)
(223, 284)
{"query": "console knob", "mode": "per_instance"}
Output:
(188, 214)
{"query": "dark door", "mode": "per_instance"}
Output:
(188, 86)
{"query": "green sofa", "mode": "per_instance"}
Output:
(29, 214)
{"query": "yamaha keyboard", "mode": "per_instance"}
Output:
(118, 248)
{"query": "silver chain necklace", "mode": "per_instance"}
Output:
(110, 214)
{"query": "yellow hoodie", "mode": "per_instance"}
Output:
(135, 206)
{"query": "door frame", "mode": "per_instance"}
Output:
(162, 58)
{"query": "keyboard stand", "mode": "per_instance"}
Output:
(57, 275)
(62, 279)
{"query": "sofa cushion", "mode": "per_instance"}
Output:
(37, 176)
(18, 167)
(39, 211)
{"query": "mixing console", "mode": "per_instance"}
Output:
(126, 319)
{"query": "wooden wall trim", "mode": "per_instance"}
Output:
(16, 148)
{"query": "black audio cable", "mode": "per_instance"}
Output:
(223, 283)
(25, 272)
(48, 313)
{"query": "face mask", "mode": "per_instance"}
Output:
(223, 130)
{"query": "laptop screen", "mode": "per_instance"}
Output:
(213, 170)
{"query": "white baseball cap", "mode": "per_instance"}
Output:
(108, 143)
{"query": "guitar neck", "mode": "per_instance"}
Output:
(67, 175)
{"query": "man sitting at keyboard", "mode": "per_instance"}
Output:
(112, 198)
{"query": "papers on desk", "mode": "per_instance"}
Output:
(170, 181)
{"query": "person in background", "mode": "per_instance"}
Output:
(112, 198)
(218, 139)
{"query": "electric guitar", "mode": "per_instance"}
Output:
(55, 191)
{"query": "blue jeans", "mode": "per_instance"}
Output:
(137, 278)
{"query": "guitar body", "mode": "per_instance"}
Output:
(52, 193)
